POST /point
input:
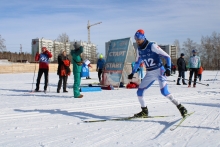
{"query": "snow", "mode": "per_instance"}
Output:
(55, 119)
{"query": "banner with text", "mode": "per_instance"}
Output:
(115, 60)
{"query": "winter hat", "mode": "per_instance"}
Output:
(182, 54)
(101, 56)
(62, 50)
(139, 35)
(194, 51)
(76, 45)
(44, 48)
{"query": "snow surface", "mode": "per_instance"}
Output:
(55, 119)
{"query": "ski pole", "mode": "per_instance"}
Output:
(170, 80)
(33, 77)
(195, 82)
(215, 77)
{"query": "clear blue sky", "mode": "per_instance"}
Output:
(163, 20)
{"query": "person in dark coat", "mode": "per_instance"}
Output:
(63, 71)
(181, 69)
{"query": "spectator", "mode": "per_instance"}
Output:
(194, 65)
(43, 59)
(100, 66)
(77, 67)
(200, 73)
(63, 71)
(181, 69)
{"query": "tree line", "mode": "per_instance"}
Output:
(208, 50)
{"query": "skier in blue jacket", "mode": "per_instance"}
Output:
(150, 53)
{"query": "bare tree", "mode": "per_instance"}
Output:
(211, 47)
(177, 44)
(2, 44)
(63, 38)
(188, 46)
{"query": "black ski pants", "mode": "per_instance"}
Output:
(195, 72)
(40, 72)
(62, 79)
(99, 74)
(181, 76)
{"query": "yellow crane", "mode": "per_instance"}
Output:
(88, 27)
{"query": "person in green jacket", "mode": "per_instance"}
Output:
(77, 67)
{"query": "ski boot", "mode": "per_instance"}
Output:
(143, 113)
(182, 110)
(194, 86)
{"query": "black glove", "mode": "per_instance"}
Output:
(130, 76)
(138, 69)
(167, 72)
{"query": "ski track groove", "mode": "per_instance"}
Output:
(193, 133)
(91, 108)
(117, 100)
(109, 137)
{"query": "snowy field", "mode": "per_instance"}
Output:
(55, 119)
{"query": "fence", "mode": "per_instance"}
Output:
(30, 67)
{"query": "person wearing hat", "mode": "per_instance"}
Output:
(43, 59)
(77, 67)
(100, 66)
(181, 69)
(151, 54)
(194, 65)
(63, 70)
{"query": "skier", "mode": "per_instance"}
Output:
(182, 69)
(150, 53)
(194, 65)
(43, 59)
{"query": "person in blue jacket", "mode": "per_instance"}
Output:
(100, 66)
(150, 53)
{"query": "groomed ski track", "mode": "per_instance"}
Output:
(56, 119)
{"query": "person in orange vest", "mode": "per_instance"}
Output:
(63, 70)
(200, 73)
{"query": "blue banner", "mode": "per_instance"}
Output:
(116, 56)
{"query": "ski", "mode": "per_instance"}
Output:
(125, 118)
(182, 120)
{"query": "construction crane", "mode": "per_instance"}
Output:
(88, 27)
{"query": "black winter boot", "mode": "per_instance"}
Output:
(182, 110)
(143, 113)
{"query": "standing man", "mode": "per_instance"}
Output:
(150, 53)
(181, 69)
(194, 65)
(100, 66)
(43, 59)
(63, 71)
(77, 67)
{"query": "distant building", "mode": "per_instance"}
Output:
(54, 47)
(170, 49)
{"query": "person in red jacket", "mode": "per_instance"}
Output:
(43, 59)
